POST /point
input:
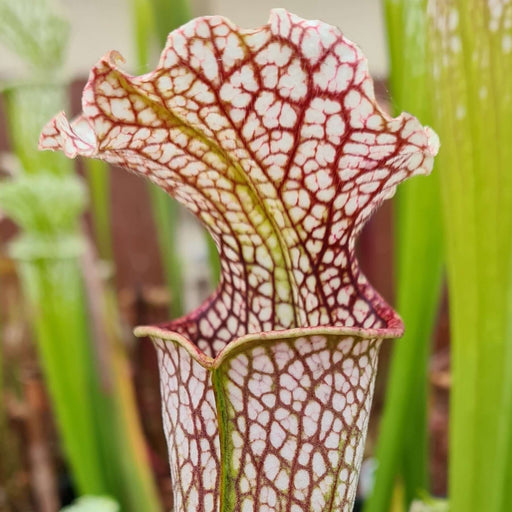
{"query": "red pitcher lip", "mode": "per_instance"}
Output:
(394, 329)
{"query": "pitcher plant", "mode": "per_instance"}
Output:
(272, 137)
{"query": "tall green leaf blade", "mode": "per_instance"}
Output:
(402, 444)
(472, 78)
(98, 178)
(144, 31)
(54, 293)
(504, 464)
(169, 14)
(154, 19)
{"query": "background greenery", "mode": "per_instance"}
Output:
(451, 65)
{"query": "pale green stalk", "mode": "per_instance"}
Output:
(504, 463)
(472, 82)
(402, 448)
(169, 14)
(130, 479)
(98, 178)
(143, 29)
(149, 26)
(27, 106)
(53, 288)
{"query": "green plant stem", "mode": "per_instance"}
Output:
(214, 259)
(143, 29)
(98, 177)
(55, 293)
(168, 15)
(471, 77)
(503, 500)
(165, 213)
(27, 109)
(121, 437)
(402, 449)
(153, 21)
(420, 256)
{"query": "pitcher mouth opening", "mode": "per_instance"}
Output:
(392, 328)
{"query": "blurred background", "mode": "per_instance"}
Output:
(99, 26)
(88, 252)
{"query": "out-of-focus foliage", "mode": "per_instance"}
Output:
(44, 203)
(466, 53)
(402, 449)
(33, 30)
(81, 353)
(470, 60)
(93, 504)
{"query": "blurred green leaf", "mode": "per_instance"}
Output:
(144, 32)
(98, 178)
(44, 204)
(402, 448)
(169, 14)
(154, 19)
(53, 289)
(31, 29)
(471, 67)
(29, 107)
